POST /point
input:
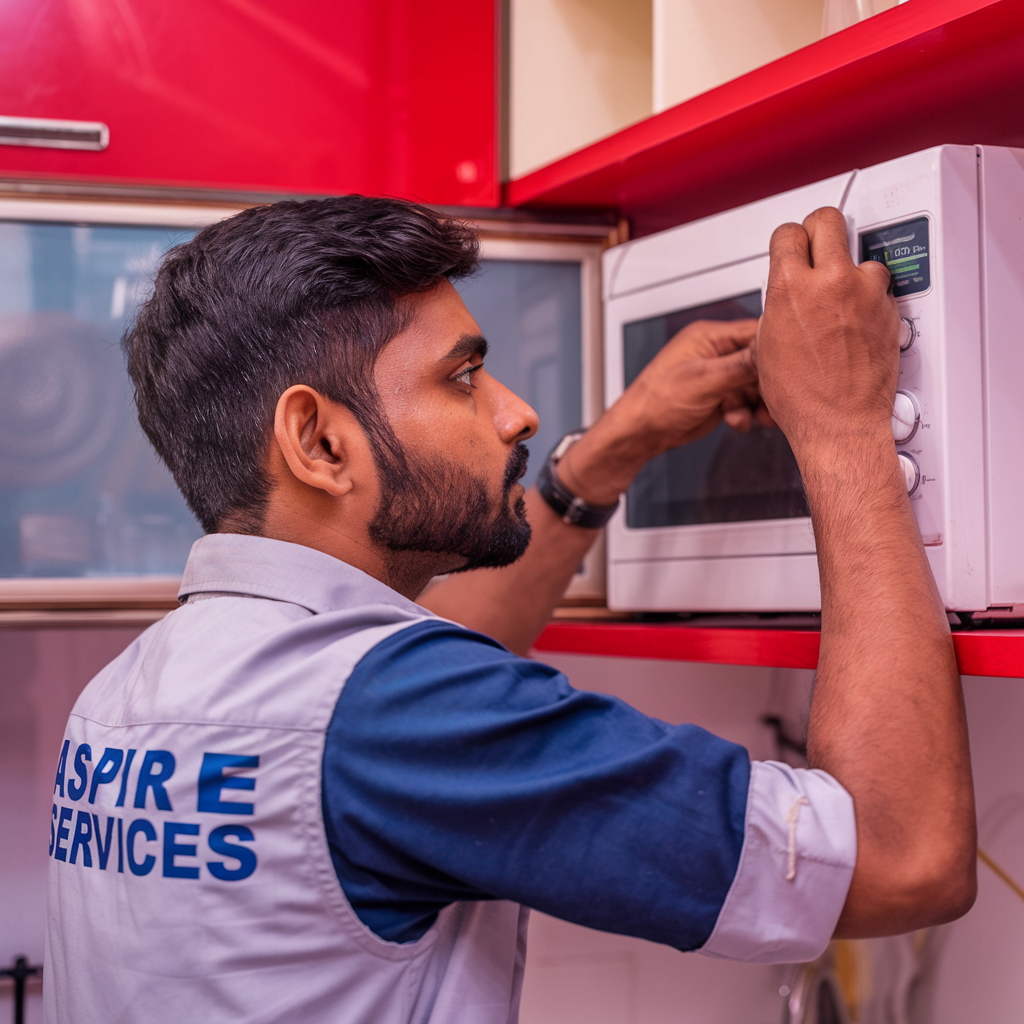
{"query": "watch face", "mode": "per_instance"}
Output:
(565, 444)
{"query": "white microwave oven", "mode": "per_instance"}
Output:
(722, 524)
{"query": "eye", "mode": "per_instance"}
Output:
(465, 375)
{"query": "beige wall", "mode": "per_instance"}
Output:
(583, 69)
(840, 14)
(699, 44)
(579, 70)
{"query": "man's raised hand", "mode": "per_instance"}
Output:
(703, 375)
(827, 349)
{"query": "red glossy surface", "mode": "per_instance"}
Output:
(982, 653)
(924, 73)
(382, 96)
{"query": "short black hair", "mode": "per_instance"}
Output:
(293, 293)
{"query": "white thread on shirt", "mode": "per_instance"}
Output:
(791, 818)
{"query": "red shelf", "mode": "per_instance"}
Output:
(981, 653)
(923, 73)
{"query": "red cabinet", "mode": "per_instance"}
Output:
(393, 97)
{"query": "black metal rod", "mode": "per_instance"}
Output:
(18, 973)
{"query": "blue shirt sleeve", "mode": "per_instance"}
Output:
(455, 770)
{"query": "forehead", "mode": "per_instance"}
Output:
(438, 320)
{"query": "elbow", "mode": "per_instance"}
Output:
(960, 886)
(946, 892)
(891, 896)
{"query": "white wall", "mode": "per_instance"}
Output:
(981, 978)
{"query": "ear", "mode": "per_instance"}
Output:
(317, 439)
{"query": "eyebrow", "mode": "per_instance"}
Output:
(467, 345)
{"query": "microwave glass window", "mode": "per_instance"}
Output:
(530, 313)
(903, 248)
(81, 491)
(725, 477)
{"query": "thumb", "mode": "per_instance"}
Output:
(878, 270)
(735, 370)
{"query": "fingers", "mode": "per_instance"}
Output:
(742, 408)
(829, 242)
(742, 412)
(819, 242)
(789, 251)
(763, 416)
(732, 372)
(709, 338)
(741, 420)
(742, 417)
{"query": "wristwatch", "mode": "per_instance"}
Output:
(573, 510)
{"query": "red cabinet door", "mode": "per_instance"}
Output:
(394, 97)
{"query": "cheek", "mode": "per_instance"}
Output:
(437, 422)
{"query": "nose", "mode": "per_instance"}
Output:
(515, 419)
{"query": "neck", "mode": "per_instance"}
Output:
(409, 572)
(406, 572)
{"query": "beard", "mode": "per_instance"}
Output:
(432, 506)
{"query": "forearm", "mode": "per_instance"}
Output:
(513, 604)
(887, 719)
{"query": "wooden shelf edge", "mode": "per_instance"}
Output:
(81, 618)
(83, 593)
(981, 653)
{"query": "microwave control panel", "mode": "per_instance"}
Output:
(905, 250)
(912, 418)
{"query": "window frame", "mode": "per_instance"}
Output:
(23, 601)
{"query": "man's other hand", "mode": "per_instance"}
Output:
(704, 374)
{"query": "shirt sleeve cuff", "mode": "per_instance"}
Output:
(799, 849)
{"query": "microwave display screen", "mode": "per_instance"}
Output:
(725, 477)
(903, 248)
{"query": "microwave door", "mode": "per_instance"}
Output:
(726, 494)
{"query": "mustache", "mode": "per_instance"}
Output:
(516, 466)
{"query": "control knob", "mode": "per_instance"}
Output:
(905, 417)
(908, 332)
(911, 473)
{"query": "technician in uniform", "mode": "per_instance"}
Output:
(303, 796)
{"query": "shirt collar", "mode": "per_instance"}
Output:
(234, 563)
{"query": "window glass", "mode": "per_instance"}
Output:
(530, 312)
(81, 491)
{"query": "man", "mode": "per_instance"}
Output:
(304, 797)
